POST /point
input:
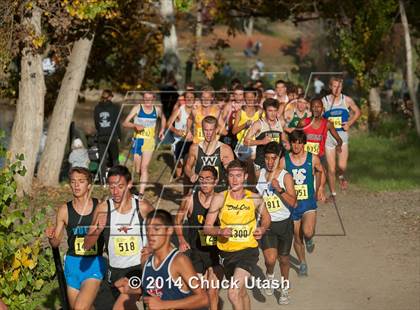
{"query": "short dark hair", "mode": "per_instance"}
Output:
(162, 215)
(121, 171)
(280, 82)
(297, 135)
(212, 170)
(209, 119)
(238, 87)
(250, 90)
(106, 94)
(274, 148)
(82, 170)
(235, 164)
(270, 102)
(292, 89)
(317, 99)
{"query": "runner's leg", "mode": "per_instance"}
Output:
(72, 295)
(308, 224)
(330, 155)
(298, 241)
(238, 296)
(87, 295)
(342, 165)
(270, 257)
(144, 170)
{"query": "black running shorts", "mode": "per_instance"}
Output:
(246, 259)
(279, 236)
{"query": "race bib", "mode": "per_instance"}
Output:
(336, 120)
(126, 245)
(200, 134)
(146, 133)
(301, 191)
(273, 203)
(276, 139)
(79, 250)
(240, 233)
(312, 147)
(206, 240)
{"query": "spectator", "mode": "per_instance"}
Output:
(260, 65)
(79, 155)
(318, 85)
(107, 123)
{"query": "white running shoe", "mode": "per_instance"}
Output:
(284, 296)
(269, 291)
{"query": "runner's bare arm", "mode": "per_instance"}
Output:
(127, 122)
(182, 268)
(216, 204)
(162, 122)
(356, 112)
(252, 132)
(289, 195)
(190, 164)
(320, 178)
(282, 164)
(221, 126)
(97, 225)
(226, 155)
(264, 216)
(285, 140)
(55, 234)
(336, 136)
(145, 208)
(170, 122)
(183, 211)
(190, 121)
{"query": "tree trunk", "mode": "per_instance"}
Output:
(374, 107)
(29, 117)
(249, 26)
(170, 59)
(58, 130)
(410, 76)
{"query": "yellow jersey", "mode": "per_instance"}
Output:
(198, 131)
(239, 215)
(243, 118)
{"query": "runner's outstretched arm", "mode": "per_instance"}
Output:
(97, 225)
(55, 233)
(320, 178)
(182, 268)
(353, 107)
(183, 212)
(190, 164)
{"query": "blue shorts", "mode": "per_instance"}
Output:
(77, 269)
(142, 145)
(303, 207)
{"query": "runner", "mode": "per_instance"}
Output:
(293, 116)
(177, 124)
(246, 117)
(206, 108)
(230, 114)
(315, 129)
(337, 107)
(120, 218)
(281, 92)
(268, 128)
(202, 248)
(277, 189)
(309, 178)
(239, 211)
(209, 152)
(143, 118)
(83, 269)
(169, 280)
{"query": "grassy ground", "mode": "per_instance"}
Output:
(384, 164)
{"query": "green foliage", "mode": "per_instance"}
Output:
(361, 33)
(183, 5)
(25, 265)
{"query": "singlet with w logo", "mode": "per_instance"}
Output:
(214, 159)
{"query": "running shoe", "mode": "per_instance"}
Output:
(269, 291)
(303, 270)
(284, 296)
(310, 245)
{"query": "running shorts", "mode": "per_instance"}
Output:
(77, 269)
(142, 145)
(331, 143)
(279, 236)
(303, 207)
(246, 259)
(203, 260)
(115, 274)
(181, 149)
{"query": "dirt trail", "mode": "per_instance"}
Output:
(376, 265)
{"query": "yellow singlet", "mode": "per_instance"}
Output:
(239, 215)
(198, 131)
(243, 118)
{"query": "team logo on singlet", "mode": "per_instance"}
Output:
(124, 229)
(299, 175)
(237, 208)
(209, 160)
